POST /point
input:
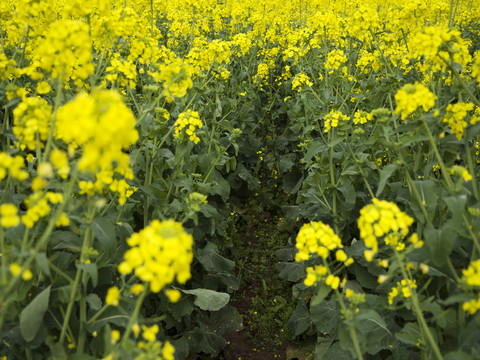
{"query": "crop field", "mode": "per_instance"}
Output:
(240, 180)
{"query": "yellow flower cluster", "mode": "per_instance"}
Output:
(176, 77)
(104, 126)
(471, 278)
(38, 207)
(404, 287)
(455, 117)
(158, 254)
(319, 238)
(362, 117)
(335, 59)
(32, 120)
(186, 124)
(333, 118)
(14, 165)
(65, 52)
(299, 80)
(8, 216)
(383, 219)
(412, 96)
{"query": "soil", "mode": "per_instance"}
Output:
(253, 342)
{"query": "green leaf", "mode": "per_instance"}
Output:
(329, 350)
(222, 188)
(325, 316)
(104, 232)
(212, 261)
(458, 355)
(440, 243)
(385, 174)
(42, 263)
(314, 148)
(207, 299)
(373, 330)
(428, 191)
(90, 269)
(300, 321)
(291, 271)
(410, 334)
(94, 301)
(322, 293)
(31, 317)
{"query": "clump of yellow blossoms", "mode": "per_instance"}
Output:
(384, 219)
(362, 117)
(335, 59)
(38, 206)
(404, 287)
(14, 165)
(176, 77)
(104, 126)
(299, 80)
(455, 117)
(471, 277)
(65, 52)
(158, 254)
(186, 124)
(32, 120)
(333, 118)
(412, 96)
(319, 238)
(8, 216)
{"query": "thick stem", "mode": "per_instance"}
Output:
(134, 316)
(418, 310)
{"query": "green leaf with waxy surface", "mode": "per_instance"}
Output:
(31, 317)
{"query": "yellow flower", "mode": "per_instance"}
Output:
(379, 219)
(168, 351)
(186, 124)
(115, 336)
(113, 296)
(316, 237)
(173, 295)
(8, 216)
(136, 289)
(32, 121)
(411, 97)
(150, 333)
(43, 87)
(158, 254)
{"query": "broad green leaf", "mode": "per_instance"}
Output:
(325, 316)
(212, 261)
(314, 148)
(207, 299)
(300, 321)
(322, 293)
(373, 330)
(385, 174)
(222, 188)
(31, 317)
(104, 232)
(329, 350)
(291, 271)
(410, 334)
(440, 242)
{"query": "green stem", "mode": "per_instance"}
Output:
(78, 277)
(351, 328)
(417, 309)
(134, 316)
(471, 169)
(361, 171)
(99, 312)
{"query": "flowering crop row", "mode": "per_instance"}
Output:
(132, 128)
